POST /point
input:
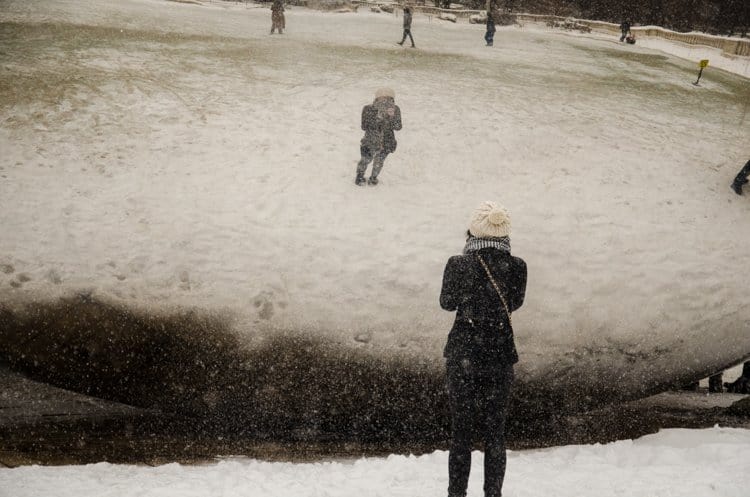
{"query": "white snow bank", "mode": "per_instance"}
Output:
(671, 463)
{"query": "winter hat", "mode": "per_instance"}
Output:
(489, 220)
(385, 92)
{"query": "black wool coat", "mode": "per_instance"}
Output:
(482, 331)
(491, 23)
(407, 20)
(379, 131)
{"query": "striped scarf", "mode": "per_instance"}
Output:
(473, 244)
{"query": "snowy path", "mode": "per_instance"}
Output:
(672, 463)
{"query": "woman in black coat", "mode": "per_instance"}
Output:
(484, 286)
(379, 120)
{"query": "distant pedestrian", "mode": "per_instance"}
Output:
(489, 35)
(715, 383)
(407, 27)
(277, 16)
(379, 120)
(624, 29)
(484, 286)
(741, 384)
(741, 179)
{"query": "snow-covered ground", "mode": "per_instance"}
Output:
(166, 154)
(696, 53)
(671, 463)
(692, 53)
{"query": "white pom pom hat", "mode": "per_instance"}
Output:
(489, 220)
(385, 92)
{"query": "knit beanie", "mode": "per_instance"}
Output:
(385, 92)
(490, 220)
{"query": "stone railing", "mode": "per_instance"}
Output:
(729, 46)
(424, 9)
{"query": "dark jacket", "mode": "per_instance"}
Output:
(482, 331)
(490, 23)
(379, 127)
(407, 20)
(625, 26)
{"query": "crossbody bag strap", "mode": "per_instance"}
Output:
(496, 287)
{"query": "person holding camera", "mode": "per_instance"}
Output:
(379, 120)
(483, 286)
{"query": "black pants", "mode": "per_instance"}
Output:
(407, 31)
(367, 157)
(479, 404)
(741, 177)
(489, 36)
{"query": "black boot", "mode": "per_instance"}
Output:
(372, 181)
(737, 187)
(359, 180)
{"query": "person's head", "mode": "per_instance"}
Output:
(407, 10)
(384, 93)
(489, 220)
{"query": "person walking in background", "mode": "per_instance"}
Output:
(407, 27)
(715, 384)
(484, 286)
(489, 35)
(379, 120)
(741, 179)
(625, 30)
(277, 16)
(741, 384)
